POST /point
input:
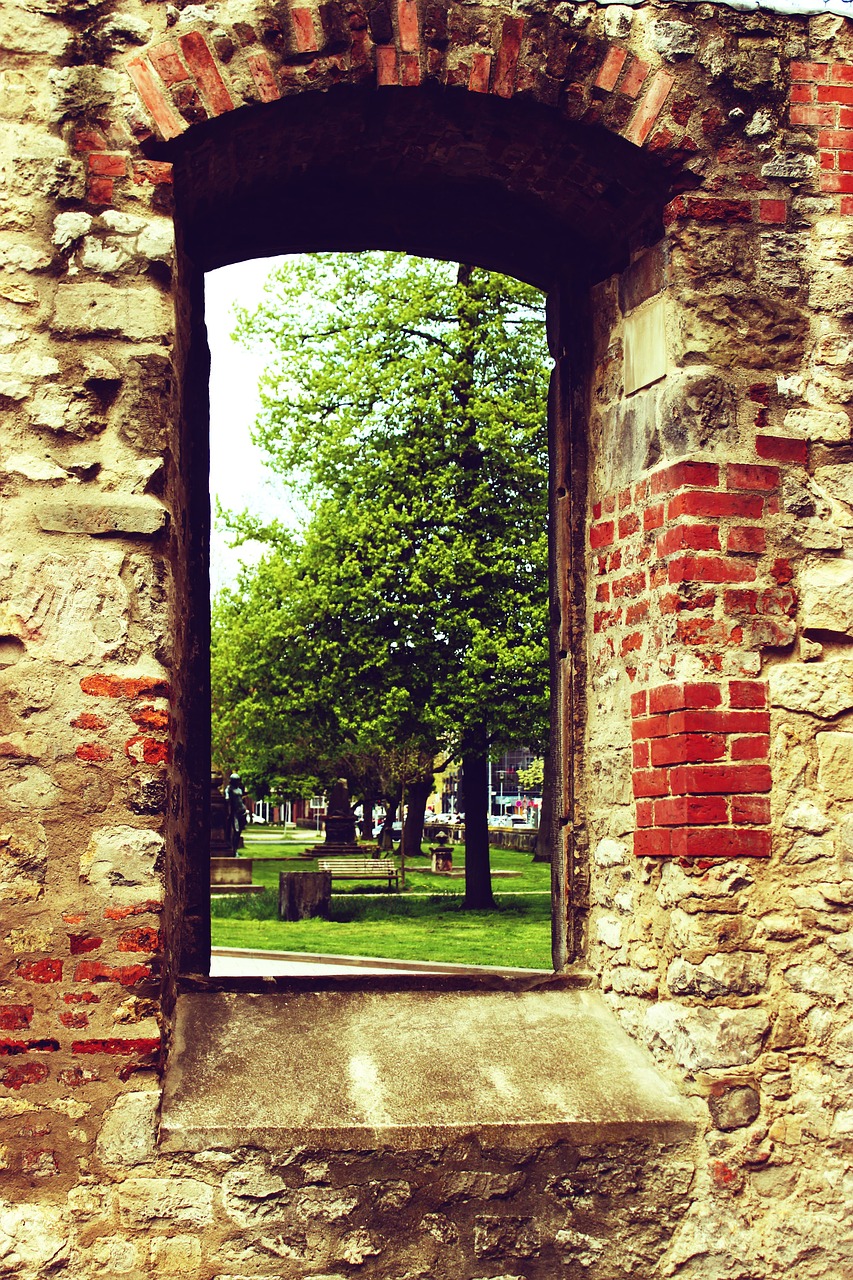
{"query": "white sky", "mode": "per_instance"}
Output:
(238, 477)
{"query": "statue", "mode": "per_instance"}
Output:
(238, 814)
(340, 819)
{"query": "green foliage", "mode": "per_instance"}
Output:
(534, 775)
(406, 399)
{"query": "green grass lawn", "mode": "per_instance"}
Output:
(423, 921)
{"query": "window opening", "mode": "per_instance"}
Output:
(382, 613)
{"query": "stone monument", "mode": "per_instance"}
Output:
(228, 873)
(340, 824)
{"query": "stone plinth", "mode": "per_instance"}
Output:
(232, 875)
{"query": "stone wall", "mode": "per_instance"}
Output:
(685, 175)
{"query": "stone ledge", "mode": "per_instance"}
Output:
(359, 1069)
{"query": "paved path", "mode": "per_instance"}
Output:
(232, 962)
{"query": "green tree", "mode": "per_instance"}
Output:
(406, 400)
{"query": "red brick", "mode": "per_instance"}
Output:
(656, 726)
(81, 997)
(702, 475)
(829, 159)
(652, 842)
(648, 109)
(753, 810)
(719, 842)
(596, 511)
(745, 506)
(150, 718)
(207, 75)
(167, 62)
(100, 190)
(15, 1017)
(782, 449)
(693, 537)
(86, 720)
(802, 93)
(93, 752)
(89, 140)
(610, 68)
(757, 477)
(81, 943)
(748, 693)
(632, 643)
(639, 702)
(644, 813)
(708, 631)
(634, 78)
(74, 1021)
(162, 112)
(679, 697)
(727, 779)
(602, 535)
(263, 76)
(640, 758)
(709, 569)
(809, 71)
(653, 782)
(143, 938)
(507, 60)
(157, 172)
(602, 593)
(633, 584)
(116, 1046)
(710, 209)
(653, 517)
(757, 748)
(127, 975)
(813, 117)
(846, 205)
(782, 571)
(641, 491)
(845, 160)
(407, 25)
(39, 970)
(772, 212)
(637, 612)
(835, 139)
(688, 748)
(837, 182)
(481, 67)
(629, 524)
(719, 721)
(746, 540)
(146, 750)
(124, 686)
(386, 65)
(28, 1073)
(841, 73)
(842, 94)
(112, 164)
(624, 498)
(150, 907)
(677, 811)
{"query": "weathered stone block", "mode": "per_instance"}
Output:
(819, 688)
(128, 1135)
(835, 771)
(145, 1201)
(731, 973)
(108, 514)
(136, 313)
(703, 1038)
(122, 862)
(645, 354)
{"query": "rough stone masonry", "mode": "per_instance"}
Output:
(680, 177)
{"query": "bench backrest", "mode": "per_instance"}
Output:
(381, 866)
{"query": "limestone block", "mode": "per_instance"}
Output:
(34, 1239)
(835, 770)
(23, 859)
(608, 931)
(736, 330)
(804, 815)
(139, 314)
(252, 1194)
(60, 410)
(827, 597)
(106, 256)
(128, 1135)
(734, 1108)
(122, 862)
(103, 515)
(145, 1201)
(674, 39)
(827, 425)
(70, 227)
(818, 980)
(729, 973)
(822, 689)
(837, 482)
(33, 468)
(645, 356)
(28, 787)
(703, 1038)
(73, 608)
(610, 853)
(176, 1255)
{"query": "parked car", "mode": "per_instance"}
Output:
(396, 830)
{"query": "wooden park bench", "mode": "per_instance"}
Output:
(361, 869)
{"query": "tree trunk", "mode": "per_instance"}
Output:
(367, 819)
(413, 829)
(542, 847)
(478, 876)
